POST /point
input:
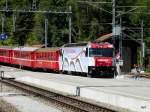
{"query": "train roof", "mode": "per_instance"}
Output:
(6, 47)
(92, 44)
(48, 49)
(26, 48)
(75, 44)
(102, 45)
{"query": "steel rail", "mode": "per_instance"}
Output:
(68, 101)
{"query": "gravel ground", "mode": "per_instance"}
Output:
(7, 107)
(123, 85)
(11, 98)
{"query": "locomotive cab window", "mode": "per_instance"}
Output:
(102, 52)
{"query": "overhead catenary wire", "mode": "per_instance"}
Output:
(58, 10)
(36, 11)
(101, 2)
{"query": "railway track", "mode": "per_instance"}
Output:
(72, 102)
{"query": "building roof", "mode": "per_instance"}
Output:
(106, 37)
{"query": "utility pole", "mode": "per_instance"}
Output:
(142, 44)
(14, 22)
(6, 4)
(113, 27)
(2, 20)
(34, 5)
(70, 24)
(113, 16)
(46, 31)
(120, 39)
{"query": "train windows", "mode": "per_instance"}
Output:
(3, 53)
(25, 55)
(46, 56)
(17, 54)
(107, 52)
(41, 55)
(22, 54)
(53, 57)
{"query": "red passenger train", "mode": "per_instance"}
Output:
(46, 58)
(87, 58)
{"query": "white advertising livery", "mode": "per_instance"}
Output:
(88, 58)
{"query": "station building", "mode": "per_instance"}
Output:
(129, 50)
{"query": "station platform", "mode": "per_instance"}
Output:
(129, 94)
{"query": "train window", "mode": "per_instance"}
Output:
(39, 55)
(52, 56)
(25, 55)
(107, 52)
(3, 53)
(86, 52)
(17, 54)
(28, 55)
(44, 57)
(48, 56)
